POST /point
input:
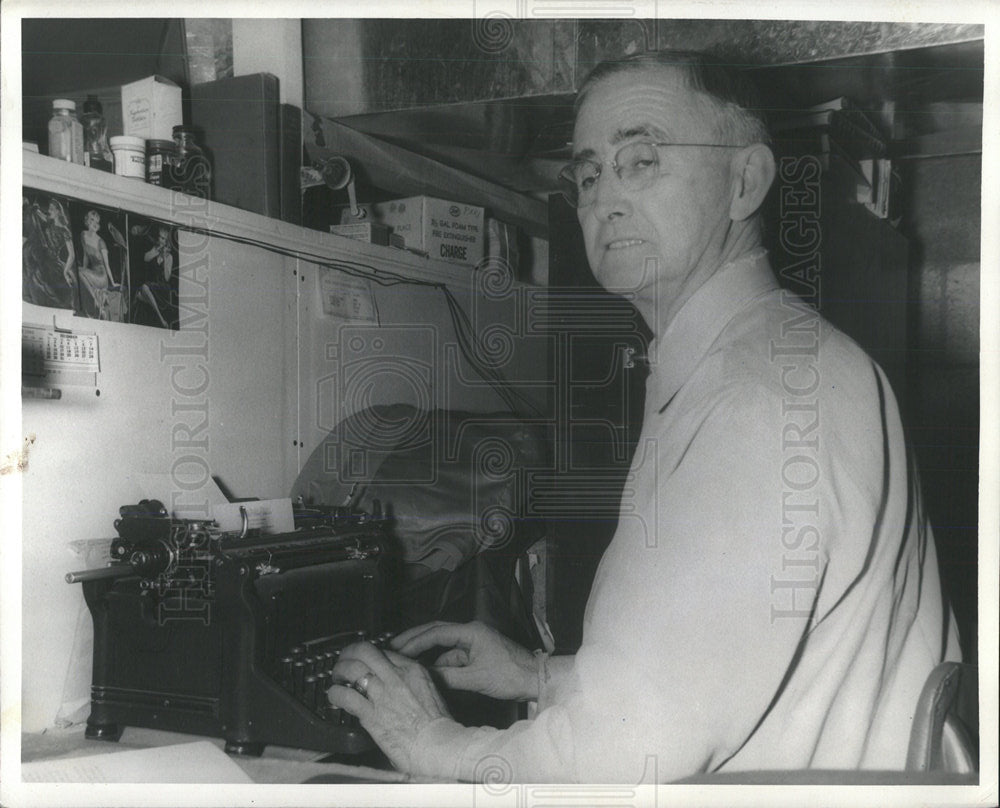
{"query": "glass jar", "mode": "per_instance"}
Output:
(192, 172)
(160, 158)
(65, 132)
(130, 156)
(96, 152)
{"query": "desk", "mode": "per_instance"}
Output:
(283, 765)
(277, 765)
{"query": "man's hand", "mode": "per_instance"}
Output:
(392, 695)
(479, 658)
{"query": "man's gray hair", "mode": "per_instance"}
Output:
(740, 118)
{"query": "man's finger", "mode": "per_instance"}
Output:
(346, 698)
(350, 670)
(370, 656)
(457, 678)
(447, 635)
(369, 686)
(404, 637)
(455, 658)
(400, 660)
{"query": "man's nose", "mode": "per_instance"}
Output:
(610, 197)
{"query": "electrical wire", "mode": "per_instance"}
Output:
(465, 334)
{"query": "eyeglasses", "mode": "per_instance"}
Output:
(637, 166)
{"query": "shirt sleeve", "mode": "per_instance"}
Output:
(688, 635)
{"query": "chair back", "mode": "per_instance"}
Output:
(945, 733)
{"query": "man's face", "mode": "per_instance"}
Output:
(662, 242)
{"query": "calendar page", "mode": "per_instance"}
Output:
(57, 356)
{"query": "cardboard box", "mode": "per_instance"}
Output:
(443, 230)
(151, 108)
(369, 232)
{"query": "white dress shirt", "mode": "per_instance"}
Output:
(771, 598)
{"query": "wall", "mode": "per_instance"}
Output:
(413, 357)
(270, 46)
(264, 348)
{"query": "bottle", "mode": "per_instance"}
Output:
(95, 135)
(65, 132)
(192, 172)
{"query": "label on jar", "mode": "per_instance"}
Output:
(130, 163)
(154, 169)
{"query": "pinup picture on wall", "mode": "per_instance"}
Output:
(75, 256)
(101, 262)
(152, 267)
(48, 257)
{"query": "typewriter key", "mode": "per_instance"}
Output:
(309, 692)
(298, 674)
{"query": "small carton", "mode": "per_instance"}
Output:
(151, 108)
(369, 232)
(443, 230)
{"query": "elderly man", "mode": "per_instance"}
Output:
(771, 597)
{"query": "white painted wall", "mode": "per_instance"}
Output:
(270, 46)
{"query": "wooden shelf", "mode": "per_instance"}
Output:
(79, 182)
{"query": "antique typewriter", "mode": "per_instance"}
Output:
(233, 635)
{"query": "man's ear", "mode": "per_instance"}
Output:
(753, 172)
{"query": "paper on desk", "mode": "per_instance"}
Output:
(197, 762)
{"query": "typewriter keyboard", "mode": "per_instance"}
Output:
(306, 672)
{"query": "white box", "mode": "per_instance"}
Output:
(369, 232)
(151, 108)
(446, 231)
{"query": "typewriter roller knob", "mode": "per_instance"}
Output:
(111, 571)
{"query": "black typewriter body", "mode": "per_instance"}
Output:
(231, 636)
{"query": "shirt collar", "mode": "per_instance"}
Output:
(698, 323)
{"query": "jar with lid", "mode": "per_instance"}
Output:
(161, 155)
(65, 132)
(95, 135)
(130, 156)
(192, 172)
